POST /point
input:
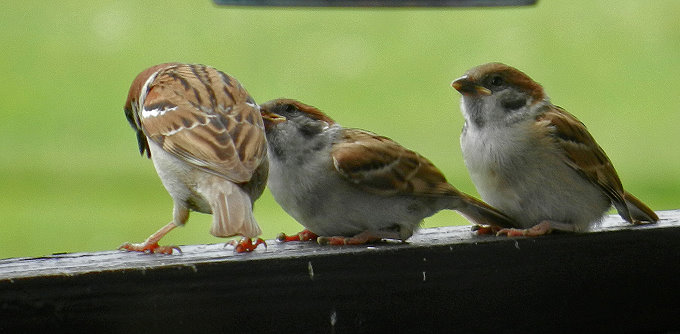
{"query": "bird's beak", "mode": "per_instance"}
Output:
(270, 119)
(468, 87)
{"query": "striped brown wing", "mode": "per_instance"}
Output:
(582, 153)
(206, 118)
(380, 165)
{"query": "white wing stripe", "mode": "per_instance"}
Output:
(156, 112)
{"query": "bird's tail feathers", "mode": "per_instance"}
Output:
(639, 211)
(481, 213)
(232, 210)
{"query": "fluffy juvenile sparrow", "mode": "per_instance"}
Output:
(206, 139)
(533, 160)
(353, 186)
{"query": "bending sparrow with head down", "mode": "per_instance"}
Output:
(533, 160)
(352, 186)
(206, 139)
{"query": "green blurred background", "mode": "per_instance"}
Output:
(71, 178)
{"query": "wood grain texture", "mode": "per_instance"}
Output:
(620, 278)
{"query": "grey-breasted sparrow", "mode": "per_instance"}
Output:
(533, 160)
(353, 186)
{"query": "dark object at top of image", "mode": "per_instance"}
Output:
(376, 3)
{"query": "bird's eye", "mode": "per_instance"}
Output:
(290, 109)
(497, 81)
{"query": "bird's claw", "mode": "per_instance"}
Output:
(486, 229)
(332, 241)
(246, 245)
(149, 248)
(338, 241)
(511, 232)
(542, 228)
(305, 235)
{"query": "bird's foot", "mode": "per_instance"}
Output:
(539, 229)
(359, 239)
(149, 247)
(305, 235)
(486, 229)
(246, 245)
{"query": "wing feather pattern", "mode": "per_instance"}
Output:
(206, 118)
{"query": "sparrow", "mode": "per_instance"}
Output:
(205, 136)
(533, 160)
(351, 186)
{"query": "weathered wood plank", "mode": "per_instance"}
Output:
(620, 278)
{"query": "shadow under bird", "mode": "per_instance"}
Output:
(205, 136)
(533, 160)
(351, 186)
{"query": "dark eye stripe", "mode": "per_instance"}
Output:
(514, 104)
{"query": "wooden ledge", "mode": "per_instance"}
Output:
(619, 278)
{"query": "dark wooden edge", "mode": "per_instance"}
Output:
(619, 278)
